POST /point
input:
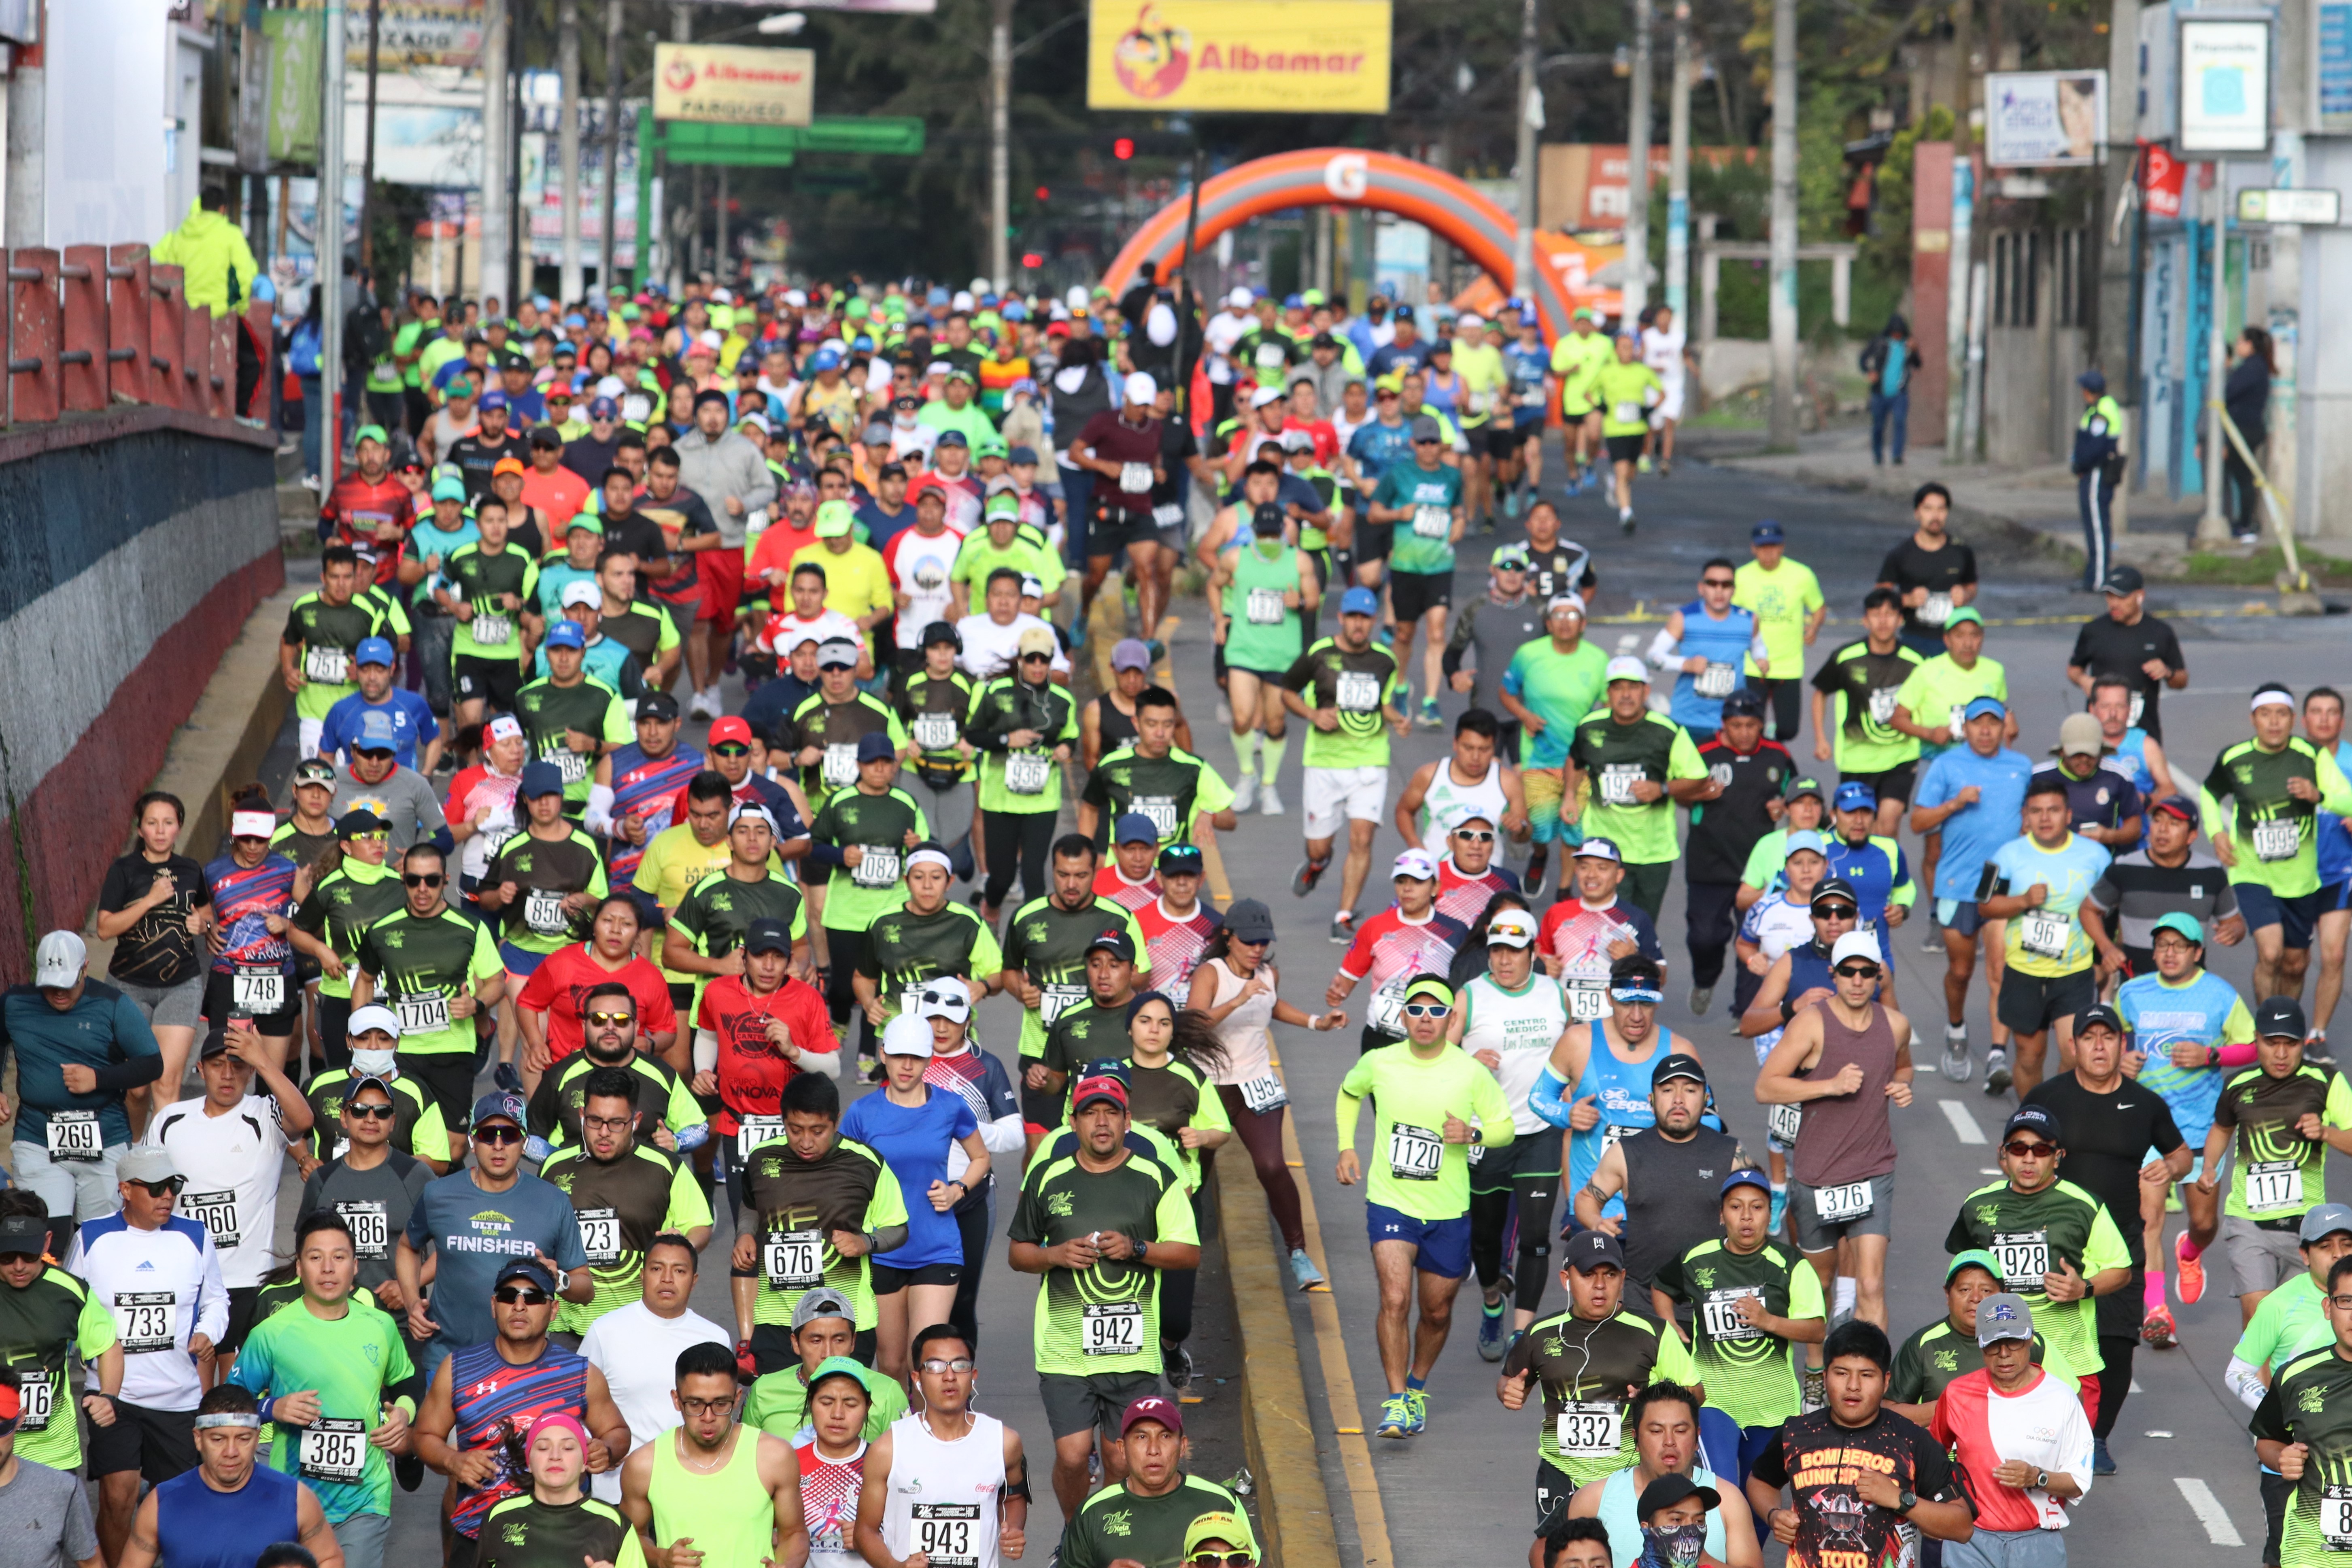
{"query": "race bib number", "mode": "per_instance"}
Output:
(39, 1395)
(1058, 1000)
(1111, 1328)
(327, 666)
(1385, 1012)
(1414, 1152)
(875, 867)
(1882, 703)
(423, 1014)
(2336, 1517)
(1357, 692)
(1625, 411)
(334, 1450)
(1588, 1000)
(1782, 1122)
(1832, 1205)
(542, 911)
(2278, 838)
(839, 768)
(2044, 934)
(1265, 607)
(1590, 1428)
(1264, 1093)
(1025, 773)
(1936, 609)
(750, 1131)
(945, 1530)
(1720, 1313)
(600, 1234)
(1956, 720)
(1617, 781)
(1716, 681)
(492, 631)
(216, 1211)
(571, 764)
(2139, 704)
(1613, 1134)
(935, 732)
(1166, 516)
(2024, 1256)
(2272, 1186)
(371, 1229)
(795, 1259)
(74, 1135)
(1162, 810)
(1432, 521)
(1135, 478)
(258, 991)
(143, 1320)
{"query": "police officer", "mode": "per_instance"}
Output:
(2098, 467)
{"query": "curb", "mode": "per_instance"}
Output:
(1294, 1505)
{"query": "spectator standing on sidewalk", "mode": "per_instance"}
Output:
(2246, 398)
(2098, 466)
(1890, 362)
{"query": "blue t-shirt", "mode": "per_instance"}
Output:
(100, 1029)
(1528, 368)
(1878, 871)
(1972, 835)
(1376, 446)
(412, 724)
(1397, 356)
(475, 1233)
(2332, 836)
(882, 527)
(2158, 1015)
(913, 1140)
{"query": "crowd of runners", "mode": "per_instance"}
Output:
(518, 986)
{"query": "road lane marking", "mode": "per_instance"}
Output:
(1964, 1126)
(2209, 1511)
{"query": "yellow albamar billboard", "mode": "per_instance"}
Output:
(725, 86)
(1300, 56)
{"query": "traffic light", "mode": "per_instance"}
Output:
(1123, 149)
(1044, 194)
(1032, 259)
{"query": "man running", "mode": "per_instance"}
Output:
(1932, 709)
(2035, 885)
(230, 1510)
(1707, 644)
(2169, 876)
(1155, 1512)
(1417, 1203)
(713, 1489)
(624, 1192)
(1673, 1199)
(1753, 771)
(1423, 501)
(2292, 1321)
(1967, 801)
(1045, 947)
(1596, 1083)
(1785, 597)
(1494, 628)
(824, 1330)
(2020, 1434)
(1548, 689)
(1407, 939)
(1931, 572)
(949, 1454)
(2277, 783)
(1341, 686)
(1152, 775)
(2299, 1431)
(1628, 768)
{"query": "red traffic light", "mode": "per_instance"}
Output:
(1032, 259)
(1123, 149)
(1044, 194)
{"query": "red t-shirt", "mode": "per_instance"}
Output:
(1111, 883)
(1176, 945)
(559, 987)
(751, 1071)
(1327, 439)
(354, 507)
(558, 496)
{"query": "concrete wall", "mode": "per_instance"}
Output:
(132, 547)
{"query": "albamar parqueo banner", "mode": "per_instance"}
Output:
(1326, 56)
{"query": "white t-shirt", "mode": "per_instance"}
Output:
(232, 1162)
(918, 569)
(786, 631)
(990, 650)
(161, 1286)
(638, 1353)
(1223, 330)
(1663, 351)
(914, 441)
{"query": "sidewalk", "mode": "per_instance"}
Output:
(2038, 502)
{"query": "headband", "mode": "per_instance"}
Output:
(249, 1419)
(505, 728)
(2270, 694)
(930, 857)
(557, 1418)
(1650, 994)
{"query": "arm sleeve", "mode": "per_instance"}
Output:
(1549, 1098)
(2245, 1381)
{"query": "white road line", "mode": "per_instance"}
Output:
(2135, 1388)
(2209, 1511)
(1964, 1126)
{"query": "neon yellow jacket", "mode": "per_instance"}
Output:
(216, 263)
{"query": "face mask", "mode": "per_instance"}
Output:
(373, 1064)
(1678, 1546)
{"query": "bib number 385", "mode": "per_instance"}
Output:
(334, 1450)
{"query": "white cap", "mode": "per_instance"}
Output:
(938, 367)
(58, 962)
(1597, 849)
(796, 298)
(1511, 928)
(1415, 863)
(1239, 299)
(1625, 667)
(982, 286)
(1857, 944)
(944, 996)
(723, 295)
(1266, 394)
(362, 1019)
(1076, 297)
(583, 592)
(906, 1036)
(962, 300)
(252, 824)
(1140, 388)
(1567, 602)
(614, 387)
(1468, 322)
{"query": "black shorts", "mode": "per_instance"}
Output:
(1532, 1156)
(889, 1281)
(1500, 439)
(1373, 540)
(242, 1301)
(1040, 1108)
(1624, 448)
(1891, 783)
(220, 1002)
(157, 1444)
(493, 680)
(2029, 1004)
(1415, 594)
(1116, 528)
(448, 1080)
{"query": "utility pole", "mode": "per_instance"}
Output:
(367, 159)
(607, 245)
(27, 218)
(567, 68)
(1636, 286)
(999, 142)
(677, 254)
(329, 246)
(1961, 254)
(519, 274)
(1783, 311)
(497, 275)
(1678, 171)
(2214, 526)
(1531, 119)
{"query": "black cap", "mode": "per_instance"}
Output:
(2034, 1118)
(23, 1235)
(1116, 943)
(767, 936)
(215, 1043)
(1671, 1488)
(1835, 888)
(657, 705)
(1184, 859)
(1744, 703)
(939, 632)
(527, 1269)
(1586, 1250)
(2099, 1013)
(1682, 1064)
(2123, 580)
(2280, 1016)
(359, 820)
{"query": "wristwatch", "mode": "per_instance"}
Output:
(1905, 1500)
(2042, 1481)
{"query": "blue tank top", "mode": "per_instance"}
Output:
(1621, 1091)
(2130, 760)
(1718, 642)
(2335, 839)
(1442, 395)
(200, 1527)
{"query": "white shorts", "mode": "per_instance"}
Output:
(307, 733)
(1670, 406)
(1360, 795)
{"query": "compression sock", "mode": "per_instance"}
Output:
(1843, 1297)
(1270, 757)
(2187, 1250)
(2153, 1296)
(1244, 759)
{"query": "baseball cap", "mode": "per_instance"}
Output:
(1152, 1407)
(2078, 736)
(1855, 795)
(2176, 806)
(1587, 1251)
(1511, 928)
(1744, 703)
(373, 650)
(146, 1162)
(733, 729)
(1974, 1257)
(2034, 1118)
(1835, 888)
(2123, 580)
(944, 996)
(1218, 1525)
(1625, 667)
(1416, 864)
(1766, 533)
(1139, 389)
(768, 936)
(357, 821)
(314, 771)
(363, 1019)
(493, 399)
(875, 747)
(1746, 1176)
(1681, 1064)
(1430, 985)
(906, 1036)
(58, 962)
(1098, 1086)
(2181, 923)
(834, 1367)
(1180, 860)
(1801, 839)
(531, 1271)
(1966, 614)
(836, 653)
(1425, 428)
(1509, 558)
(604, 408)
(1035, 639)
(1250, 922)
(583, 592)
(1802, 785)
(1360, 602)
(1131, 653)
(2099, 1013)
(23, 1236)
(567, 634)
(2324, 1222)
(539, 778)
(656, 705)
(370, 433)
(1134, 827)
(1597, 849)
(2004, 1316)
(821, 1302)
(1564, 601)
(753, 811)
(835, 519)
(376, 732)
(496, 1104)
(953, 438)
(1856, 944)
(1980, 706)
(1266, 394)
(1116, 943)
(2279, 1017)
(1670, 1488)
(448, 489)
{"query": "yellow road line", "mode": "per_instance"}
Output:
(1641, 615)
(1339, 1383)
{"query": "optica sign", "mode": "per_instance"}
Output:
(1251, 55)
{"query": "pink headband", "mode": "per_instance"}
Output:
(568, 1422)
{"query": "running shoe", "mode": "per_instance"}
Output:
(1642, 465)
(1997, 1075)
(1815, 1395)
(1176, 1364)
(1490, 1331)
(1417, 1401)
(1270, 802)
(1625, 519)
(2102, 1462)
(2316, 1053)
(1343, 928)
(1955, 1063)
(1532, 883)
(1666, 469)
(2192, 1272)
(506, 1076)
(1700, 996)
(1304, 1274)
(2157, 1329)
(1429, 718)
(1396, 1417)
(1933, 943)
(1309, 872)
(1245, 793)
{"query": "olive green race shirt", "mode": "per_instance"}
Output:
(904, 949)
(1048, 943)
(348, 900)
(418, 965)
(1359, 685)
(326, 639)
(2310, 1402)
(622, 1205)
(1864, 689)
(1106, 1320)
(1585, 1366)
(800, 1204)
(2275, 836)
(2031, 1235)
(545, 871)
(477, 577)
(39, 1325)
(548, 713)
(1002, 707)
(1614, 757)
(1747, 1372)
(1173, 791)
(878, 824)
(1116, 1525)
(2276, 1174)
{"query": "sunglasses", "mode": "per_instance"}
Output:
(601, 1019)
(1431, 442)
(1857, 972)
(519, 1295)
(172, 1184)
(1385, 396)
(1221, 1560)
(2023, 1149)
(422, 878)
(498, 1134)
(373, 1113)
(1836, 911)
(731, 749)
(1036, 659)
(960, 1363)
(1717, 583)
(374, 753)
(1474, 835)
(1426, 1009)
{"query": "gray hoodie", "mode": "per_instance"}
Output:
(731, 465)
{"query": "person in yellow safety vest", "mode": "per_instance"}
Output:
(2098, 467)
(1576, 359)
(216, 266)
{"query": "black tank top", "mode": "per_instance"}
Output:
(1674, 1200)
(1117, 729)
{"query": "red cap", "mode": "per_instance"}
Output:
(1152, 1407)
(731, 728)
(1100, 1086)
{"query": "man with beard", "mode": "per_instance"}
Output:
(624, 1192)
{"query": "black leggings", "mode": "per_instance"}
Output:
(848, 951)
(1176, 1290)
(2115, 1380)
(1492, 1214)
(1786, 695)
(1022, 837)
(1261, 1134)
(971, 1224)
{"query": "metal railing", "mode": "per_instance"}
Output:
(96, 326)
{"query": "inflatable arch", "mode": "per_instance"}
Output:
(1339, 176)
